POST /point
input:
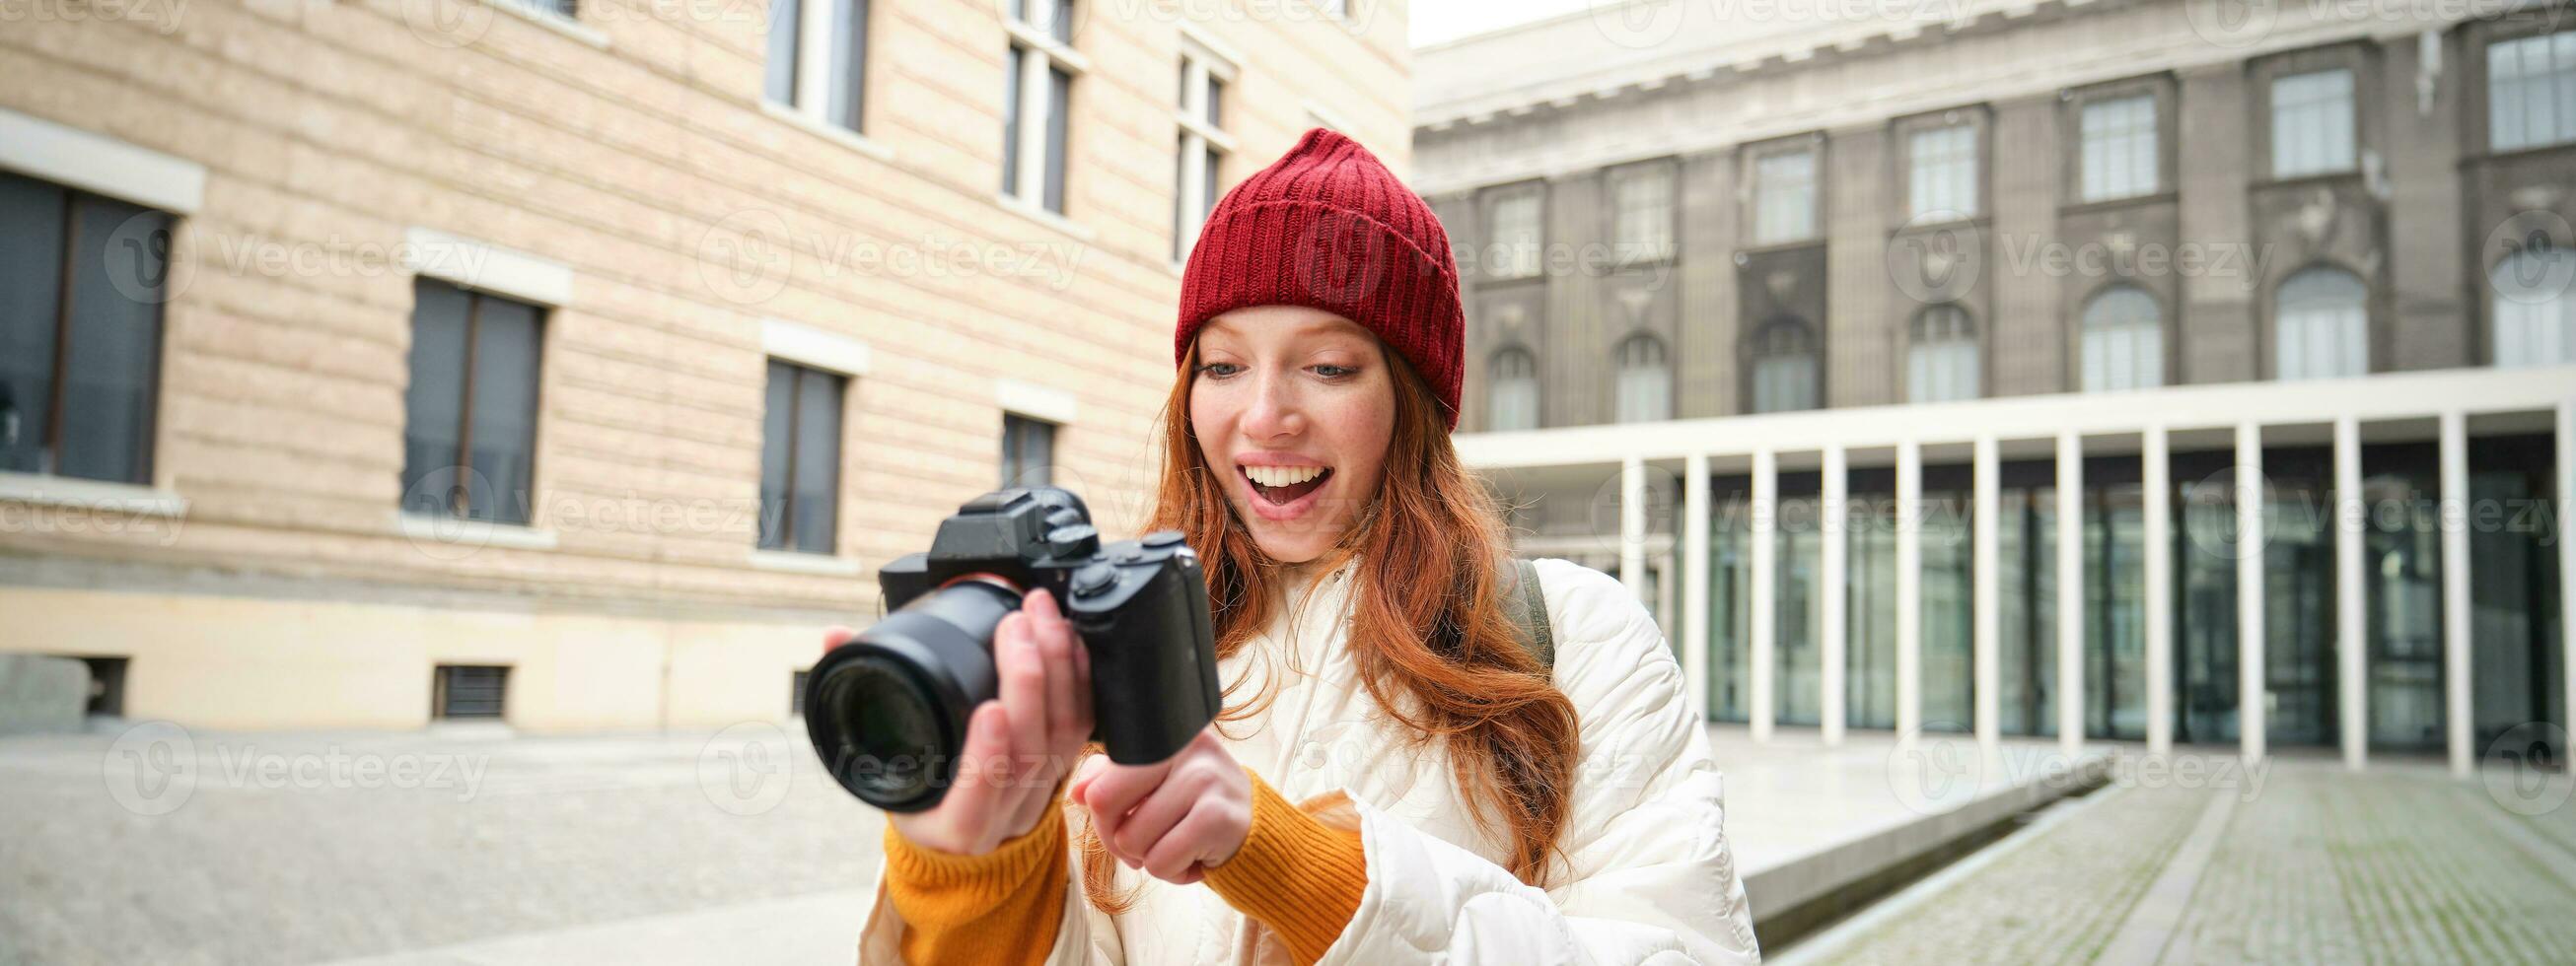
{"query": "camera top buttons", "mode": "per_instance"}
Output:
(1093, 579)
(1162, 538)
(1071, 541)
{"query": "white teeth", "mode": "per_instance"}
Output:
(1282, 475)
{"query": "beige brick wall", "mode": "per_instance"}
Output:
(336, 128)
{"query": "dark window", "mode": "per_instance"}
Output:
(469, 690)
(1059, 94)
(849, 62)
(800, 460)
(470, 430)
(796, 693)
(1028, 451)
(780, 83)
(1011, 122)
(81, 285)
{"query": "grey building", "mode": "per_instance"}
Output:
(2026, 262)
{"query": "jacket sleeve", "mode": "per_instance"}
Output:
(1079, 940)
(1649, 876)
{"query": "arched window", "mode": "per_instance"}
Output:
(1644, 391)
(2534, 311)
(1785, 361)
(1511, 387)
(2124, 340)
(2321, 325)
(1941, 356)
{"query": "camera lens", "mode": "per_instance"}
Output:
(887, 711)
(892, 727)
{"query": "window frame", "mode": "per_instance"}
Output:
(460, 503)
(1623, 368)
(50, 442)
(2084, 328)
(1963, 332)
(1760, 346)
(2563, 301)
(2351, 146)
(1661, 243)
(2487, 41)
(788, 540)
(1014, 424)
(1975, 120)
(1203, 144)
(1517, 264)
(810, 92)
(2278, 308)
(1757, 233)
(2160, 89)
(1035, 124)
(1496, 381)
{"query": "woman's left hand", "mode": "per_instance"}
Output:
(1175, 820)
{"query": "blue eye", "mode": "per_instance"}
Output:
(1218, 370)
(1335, 372)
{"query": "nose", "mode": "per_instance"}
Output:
(1276, 412)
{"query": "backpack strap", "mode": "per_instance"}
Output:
(1529, 610)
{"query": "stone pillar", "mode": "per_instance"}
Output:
(1766, 523)
(1833, 626)
(2155, 470)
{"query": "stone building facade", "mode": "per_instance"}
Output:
(575, 362)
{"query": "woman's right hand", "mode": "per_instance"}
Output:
(1019, 746)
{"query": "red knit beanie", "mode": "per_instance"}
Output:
(1329, 227)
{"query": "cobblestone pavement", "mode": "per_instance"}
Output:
(2401, 864)
(292, 848)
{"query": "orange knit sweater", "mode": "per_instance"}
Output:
(1294, 874)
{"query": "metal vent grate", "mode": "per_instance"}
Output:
(470, 690)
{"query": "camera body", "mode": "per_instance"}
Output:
(887, 712)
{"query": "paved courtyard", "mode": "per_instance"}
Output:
(152, 844)
(2401, 864)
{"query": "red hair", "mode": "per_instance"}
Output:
(1429, 632)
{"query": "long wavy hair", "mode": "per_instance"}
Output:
(1429, 632)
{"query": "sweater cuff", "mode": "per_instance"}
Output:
(1294, 874)
(936, 890)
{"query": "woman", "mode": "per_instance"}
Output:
(1400, 776)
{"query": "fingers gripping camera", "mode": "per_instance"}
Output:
(888, 711)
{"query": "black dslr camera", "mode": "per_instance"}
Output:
(888, 710)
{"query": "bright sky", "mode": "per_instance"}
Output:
(1438, 20)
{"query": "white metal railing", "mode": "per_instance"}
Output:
(2072, 426)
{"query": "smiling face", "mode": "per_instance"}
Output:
(1293, 407)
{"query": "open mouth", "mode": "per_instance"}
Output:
(1283, 485)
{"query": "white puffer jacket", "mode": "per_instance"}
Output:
(1652, 881)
